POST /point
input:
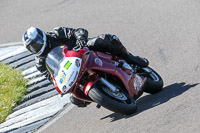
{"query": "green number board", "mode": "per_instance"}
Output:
(67, 65)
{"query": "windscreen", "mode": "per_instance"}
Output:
(53, 60)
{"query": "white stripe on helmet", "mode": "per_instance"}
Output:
(32, 33)
(44, 46)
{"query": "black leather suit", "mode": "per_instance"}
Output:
(71, 37)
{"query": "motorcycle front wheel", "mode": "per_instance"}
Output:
(119, 102)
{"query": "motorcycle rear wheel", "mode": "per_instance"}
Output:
(154, 82)
(124, 107)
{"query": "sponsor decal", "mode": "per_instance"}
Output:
(62, 77)
(74, 79)
(71, 76)
(67, 65)
(71, 83)
(77, 62)
(64, 88)
(98, 62)
(138, 83)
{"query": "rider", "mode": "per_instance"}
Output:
(40, 43)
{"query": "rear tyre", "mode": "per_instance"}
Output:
(123, 104)
(154, 82)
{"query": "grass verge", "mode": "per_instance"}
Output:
(12, 90)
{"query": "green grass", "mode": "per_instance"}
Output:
(12, 90)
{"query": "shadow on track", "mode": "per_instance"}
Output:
(149, 101)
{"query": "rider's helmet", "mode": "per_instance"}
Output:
(35, 40)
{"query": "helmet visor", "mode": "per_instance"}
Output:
(36, 45)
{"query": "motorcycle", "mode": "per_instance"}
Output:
(99, 77)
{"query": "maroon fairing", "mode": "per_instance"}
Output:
(98, 61)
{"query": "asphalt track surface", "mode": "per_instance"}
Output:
(166, 32)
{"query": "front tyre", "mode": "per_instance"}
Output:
(124, 106)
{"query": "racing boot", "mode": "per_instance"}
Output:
(117, 48)
(78, 102)
(131, 59)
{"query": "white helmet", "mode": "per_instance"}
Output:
(35, 40)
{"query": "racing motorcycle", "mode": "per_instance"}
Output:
(100, 77)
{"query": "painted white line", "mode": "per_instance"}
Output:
(55, 119)
(33, 75)
(15, 52)
(11, 44)
(29, 71)
(6, 48)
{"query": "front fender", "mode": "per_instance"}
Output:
(91, 81)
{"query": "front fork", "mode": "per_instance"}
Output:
(93, 78)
